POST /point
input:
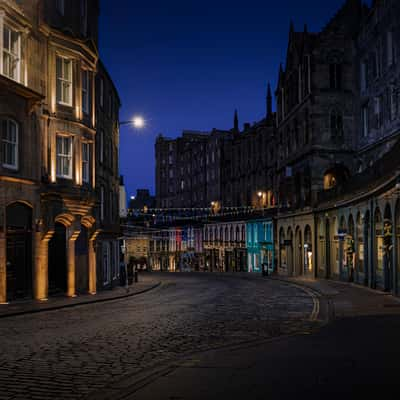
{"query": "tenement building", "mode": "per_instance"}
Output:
(249, 163)
(107, 179)
(316, 121)
(48, 199)
(189, 169)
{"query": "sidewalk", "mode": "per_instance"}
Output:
(348, 299)
(146, 283)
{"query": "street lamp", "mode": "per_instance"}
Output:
(137, 122)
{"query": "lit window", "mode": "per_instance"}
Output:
(85, 92)
(86, 162)
(11, 53)
(64, 157)
(9, 144)
(64, 81)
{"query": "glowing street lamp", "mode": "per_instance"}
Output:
(138, 122)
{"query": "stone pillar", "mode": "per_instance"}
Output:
(3, 269)
(71, 270)
(41, 265)
(92, 267)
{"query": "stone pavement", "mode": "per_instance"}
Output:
(343, 299)
(146, 282)
(355, 354)
(75, 352)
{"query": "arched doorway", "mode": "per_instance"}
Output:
(298, 262)
(82, 260)
(58, 260)
(321, 269)
(19, 251)
(334, 253)
(350, 249)
(367, 227)
(327, 249)
(308, 251)
(388, 249)
(360, 251)
(289, 251)
(377, 268)
(282, 251)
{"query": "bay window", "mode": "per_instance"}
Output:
(85, 91)
(64, 157)
(9, 139)
(64, 81)
(86, 162)
(11, 54)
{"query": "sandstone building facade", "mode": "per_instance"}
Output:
(48, 199)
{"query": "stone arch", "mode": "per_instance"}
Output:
(378, 247)
(360, 250)
(388, 247)
(298, 252)
(282, 250)
(289, 251)
(308, 250)
(334, 249)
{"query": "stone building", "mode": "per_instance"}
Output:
(378, 67)
(225, 246)
(49, 61)
(249, 163)
(358, 223)
(316, 120)
(107, 179)
(189, 169)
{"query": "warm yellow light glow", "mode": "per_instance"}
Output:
(138, 122)
(260, 194)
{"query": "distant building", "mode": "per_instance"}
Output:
(142, 200)
(123, 209)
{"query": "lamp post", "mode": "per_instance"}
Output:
(137, 122)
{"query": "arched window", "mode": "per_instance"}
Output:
(9, 143)
(336, 125)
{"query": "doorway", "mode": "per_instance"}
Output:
(19, 251)
(58, 260)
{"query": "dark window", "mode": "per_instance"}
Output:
(335, 76)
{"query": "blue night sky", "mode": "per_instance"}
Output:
(189, 64)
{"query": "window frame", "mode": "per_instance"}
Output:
(86, 162)
(102, 203)
(64, 156)
(85, 92)
(5, 142)
(9, 52)
(64, 81)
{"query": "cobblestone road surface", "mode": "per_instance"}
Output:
(68, 354)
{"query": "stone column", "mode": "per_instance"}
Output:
(71, 270)
(41, 265)
(92, 267)
(3, 269)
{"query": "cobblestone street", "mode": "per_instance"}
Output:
(71, 353)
